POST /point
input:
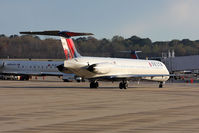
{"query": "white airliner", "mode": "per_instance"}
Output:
(101, 68)
(26, 69)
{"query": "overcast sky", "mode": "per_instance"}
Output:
(158, 20)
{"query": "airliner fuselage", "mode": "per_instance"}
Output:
(91, 67)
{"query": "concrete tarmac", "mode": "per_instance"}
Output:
(58, 107)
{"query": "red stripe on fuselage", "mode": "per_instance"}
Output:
(150, 64)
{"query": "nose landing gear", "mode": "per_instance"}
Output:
(123, 85)
(161, 84)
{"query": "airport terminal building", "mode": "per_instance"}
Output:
(182, 63)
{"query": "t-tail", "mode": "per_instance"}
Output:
(68, 45)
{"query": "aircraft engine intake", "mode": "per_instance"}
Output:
(61, 68)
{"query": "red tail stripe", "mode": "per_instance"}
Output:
(70, 47)
(66, 54)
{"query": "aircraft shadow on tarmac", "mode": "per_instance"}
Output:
(62, 87)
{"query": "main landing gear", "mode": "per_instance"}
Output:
(123, 85)
(94, 84)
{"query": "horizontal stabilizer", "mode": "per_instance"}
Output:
(131, 52)
(66, 34)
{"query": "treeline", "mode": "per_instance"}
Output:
(33, 47)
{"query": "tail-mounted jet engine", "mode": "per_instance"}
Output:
(100, 68)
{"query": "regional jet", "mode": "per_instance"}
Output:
(104, 68)
(25, 69)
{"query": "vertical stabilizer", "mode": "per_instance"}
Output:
(69, 48)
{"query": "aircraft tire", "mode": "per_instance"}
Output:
(94, 84)
(91, 85)
(125, 85)
(160, 85)
(121, 85)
